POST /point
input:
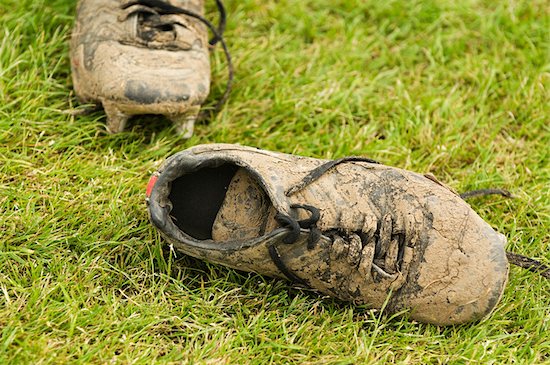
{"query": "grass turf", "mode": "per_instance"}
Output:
(455, 88)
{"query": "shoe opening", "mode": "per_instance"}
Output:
(222, 204)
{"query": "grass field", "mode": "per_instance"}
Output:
(459, 89)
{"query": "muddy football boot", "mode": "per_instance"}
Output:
(143, 57)
(350, 228)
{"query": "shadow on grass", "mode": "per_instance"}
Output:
(258, 289)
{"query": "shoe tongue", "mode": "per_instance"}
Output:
(246, 211)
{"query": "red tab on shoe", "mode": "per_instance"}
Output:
(151, 184)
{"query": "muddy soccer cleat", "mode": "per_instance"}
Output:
(350, 228)
(144, 57)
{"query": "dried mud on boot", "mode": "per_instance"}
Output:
(354, 229)
(142, 57)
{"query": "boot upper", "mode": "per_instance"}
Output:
(146, 62)
(384, 237)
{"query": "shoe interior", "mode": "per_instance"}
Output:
(197, 197)
(225, 203)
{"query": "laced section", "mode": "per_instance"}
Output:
(293, 235)
(378, 253)
(156, 23)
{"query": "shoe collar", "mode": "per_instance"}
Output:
(211, 156)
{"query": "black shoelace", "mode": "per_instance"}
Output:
(379, 240)
(160, 7)
(513, 258)
(359, 240)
